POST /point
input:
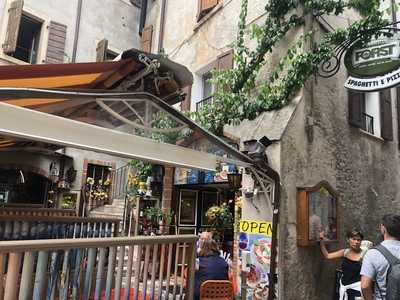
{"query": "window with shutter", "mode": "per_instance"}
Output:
(386, 115)
(56, 44)
(372, 112)
(204, 7)
(356, 109)
(14, 21)
(101, 50)
(147, 37)
(225, 61)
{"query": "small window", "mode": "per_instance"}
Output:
(372, 112)
(28, 40)
(207, 91)
(205, 6)
(98, 173)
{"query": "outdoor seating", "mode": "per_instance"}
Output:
(216, 289)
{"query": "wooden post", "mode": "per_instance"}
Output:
(64, 283)
(191, 269)
(176, 260)
(120, 268)
(89, 273)
(182, 270)
(153, 271)
(40, 276)
(168, 277)
(145, 271)
(77, 273)
(26, 277)
(2, 270)
(110, 271)
(128, 273)
(100, 272)
(137, 272)
(14, 263)
(161, 274)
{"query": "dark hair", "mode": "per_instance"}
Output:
(353, 233)
(208, 248)
(392, 225)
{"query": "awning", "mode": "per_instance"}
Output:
(55, 130)
(67, 76)
(154, 73)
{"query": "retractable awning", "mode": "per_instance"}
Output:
(56, 130)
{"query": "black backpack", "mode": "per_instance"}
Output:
(393, 274)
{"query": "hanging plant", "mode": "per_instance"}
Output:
(240, 99)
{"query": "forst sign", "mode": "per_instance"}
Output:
(374, 66)
(369, 56)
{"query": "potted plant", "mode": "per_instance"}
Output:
(221, 219)
(165, 222)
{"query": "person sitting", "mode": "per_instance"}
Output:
(211, 266)
(350, 285)
(204, 236)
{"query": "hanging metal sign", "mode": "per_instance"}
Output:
(375, 65)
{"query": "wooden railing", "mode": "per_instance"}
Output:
(43, 212)
(98, 268)
(34, 227)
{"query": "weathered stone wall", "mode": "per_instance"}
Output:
(362, 168)
(115, 20)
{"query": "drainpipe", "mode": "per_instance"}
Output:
(76, 31)
(162, 25)
(393, 4)
(142, 21)
(274, 240)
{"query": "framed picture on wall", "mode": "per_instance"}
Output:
(316, 213)
(188, 207)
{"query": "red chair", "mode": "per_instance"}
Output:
(216, 290)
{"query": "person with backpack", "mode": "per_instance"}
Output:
(350, 285)
(380, 271)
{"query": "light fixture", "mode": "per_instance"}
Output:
(21, 177)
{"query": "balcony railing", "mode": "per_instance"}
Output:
(38, 227)
(204, 102)
(42, 212)
(369, 123)
(98, 268)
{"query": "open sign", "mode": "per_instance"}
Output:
(256, 227)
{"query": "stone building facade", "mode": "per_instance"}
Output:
(56, 32)
(317, 139)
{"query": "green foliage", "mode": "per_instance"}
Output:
(220, 217)
(143, 169)
(237, 97)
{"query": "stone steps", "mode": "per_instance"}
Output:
(114, 210)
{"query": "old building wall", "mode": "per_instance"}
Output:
(79, 163)
(115, 20)
(198, 44)
(363, 169)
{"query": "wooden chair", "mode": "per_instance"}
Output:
(216, 290)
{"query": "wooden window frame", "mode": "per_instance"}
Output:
(303, 224)
(202, 12)
(357, 107)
